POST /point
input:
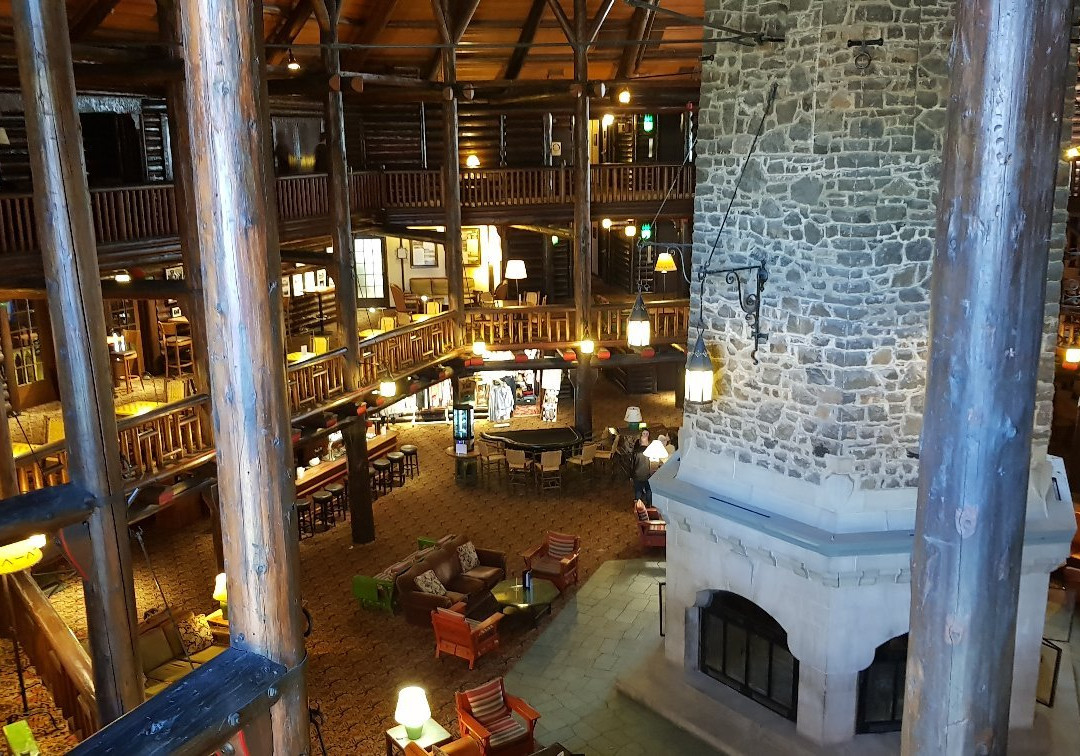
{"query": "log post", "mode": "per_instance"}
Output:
(582, 252)
(235, 220)
(9, 475)
(73, 281)
(993, 222)
(354, 435)
(176, 107)
(584, 380)
(455, 267)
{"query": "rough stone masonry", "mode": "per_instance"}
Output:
(839, 202)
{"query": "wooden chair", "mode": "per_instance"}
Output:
(651, 526)
(548, 470)
(494, 726)
(556, 559)
(459, 747)
(517, 467)
(532, 298)
(459, 636)
(171, 340)
(491, 458)
(583, 460)
(373, 593)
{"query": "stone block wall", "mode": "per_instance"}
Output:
(839, 201)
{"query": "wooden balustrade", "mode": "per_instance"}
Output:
(300, 197)
(138, 213)
(59, 659)
(406, 348)
(316, 380)
(515, 327)
(669, 319)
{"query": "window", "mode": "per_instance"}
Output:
(120, 315)
(369, 269)
(26, 341)
(881, 689)
(746, 649)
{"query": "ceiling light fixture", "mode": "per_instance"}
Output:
(606, 223)
(291, 63)
(472, 162)
(607, 120)
(624, 96)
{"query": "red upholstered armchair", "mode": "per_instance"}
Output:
(651, 526)
(487, 714)
(556, 559)
(462, 637)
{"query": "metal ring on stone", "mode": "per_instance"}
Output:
(862, 61)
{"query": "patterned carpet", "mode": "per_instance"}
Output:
(358, 659)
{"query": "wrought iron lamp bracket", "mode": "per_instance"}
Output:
(749, 292)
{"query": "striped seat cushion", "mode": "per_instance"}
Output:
(560, 545)
(488, 703)
(506, 730)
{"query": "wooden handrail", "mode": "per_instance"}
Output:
(157, 413)
(60, 660)
(316, 359)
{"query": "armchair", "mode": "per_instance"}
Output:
(651, 526)
(487, 714)
(556, 559)
(462, 637)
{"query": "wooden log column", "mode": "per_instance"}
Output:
(354, 434)
(583, 389)
(455, 267)
(66, 237)
(241, 268)
(1007, 90)
(582, 252)
(9, 476)
(176, 107)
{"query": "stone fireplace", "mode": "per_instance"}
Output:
(792, 498)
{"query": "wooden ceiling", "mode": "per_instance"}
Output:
(406, 26)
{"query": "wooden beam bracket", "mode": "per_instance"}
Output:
(44, 511)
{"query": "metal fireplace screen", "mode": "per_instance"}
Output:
(742, 646)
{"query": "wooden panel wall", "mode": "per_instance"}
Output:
(14, 158)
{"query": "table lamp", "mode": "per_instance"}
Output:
(656, 452)
(633, 418)
(221, 595)
(515, 271)
(16, 557)
(412, 710)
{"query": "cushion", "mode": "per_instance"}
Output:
(641, 511)
(467, 555)
(466, 585)
(428, 583)
(547, 566)
(202, 657)
(487, 702)
(506, 730)
(560, 545)
(154, 648)
(195, 634)
(169, 671)
(455, 597)
(489, 576)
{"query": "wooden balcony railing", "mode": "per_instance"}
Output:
(406, 348)
(142, 213)
(316, 380)
(61, 662)
(520, 326)
(669, 319)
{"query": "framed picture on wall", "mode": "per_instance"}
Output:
(470, 246)
(424, 255)
(175, 273)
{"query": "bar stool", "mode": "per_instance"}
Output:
(383, 475)
(373, 482)
(323, 502)
(397, 468)
(304, 520)
(341, 498)
(412, 459)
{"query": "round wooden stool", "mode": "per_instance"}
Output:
(341, 499)
(397, 468)
(323, 503)
(305, 522)
(412, 459)
(373, 482)
(383, 475)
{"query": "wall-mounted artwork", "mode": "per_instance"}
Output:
(175, 273)
(424, 255)
(470, 246)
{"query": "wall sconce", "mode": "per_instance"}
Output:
(221, 594)
(624, 96)
(630, 230)
(606, 120)
(605, 223)
(1073, 153)
(472, 162)
(291, 63)
(122, 276)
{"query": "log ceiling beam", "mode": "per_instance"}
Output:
(287, 29)
(636, 32)
(528, 34)
(598, 21)
(91, 18)
(563, 19)
(461, 25)
(442, 24)
(370, 31)
(639, 56)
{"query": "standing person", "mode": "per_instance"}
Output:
(641, 469)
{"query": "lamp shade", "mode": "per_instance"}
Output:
(699, 373)
(588, 346)
(633, 415)
(412, 710)
(1072, 355)
(21, 555)
(665, 263)
(387, 387)
(656, 451)
(479, 347)
(638, 327)
(515, 270)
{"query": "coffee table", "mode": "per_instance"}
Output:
(536, 601)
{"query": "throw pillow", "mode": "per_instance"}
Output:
(560, 545)
(195, 634)
(428, 583)
(642, 512)
(488, 702)
(466, 553)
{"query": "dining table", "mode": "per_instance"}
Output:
(134, 409)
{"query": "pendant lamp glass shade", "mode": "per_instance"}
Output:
(665, 263)
(638, 327)
(699, 373)
(21, 555)
(1072, 355)
(588, 346)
